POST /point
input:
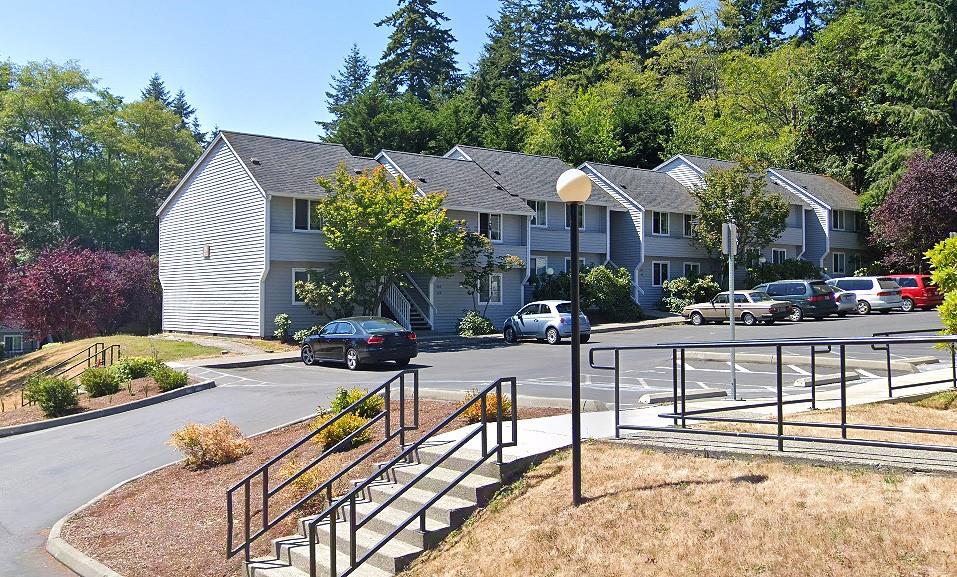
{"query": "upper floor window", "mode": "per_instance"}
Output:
(660, 223)
(490, 226)
(581, 216)
(690, 221)
(541, 212)
(847, 220)
(305, 217)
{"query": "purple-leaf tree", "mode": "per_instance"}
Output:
(920, 212)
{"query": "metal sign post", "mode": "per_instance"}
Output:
(729, 244)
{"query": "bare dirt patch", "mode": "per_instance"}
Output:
(14, 414)
(173, 522)
(658, 515)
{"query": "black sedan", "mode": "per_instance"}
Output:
(359, 340)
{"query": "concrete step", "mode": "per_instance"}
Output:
(389, 518)
(450, 510)
(392, 557)
(273, 567)
(474, 487)
(293, 551)
(459, 461)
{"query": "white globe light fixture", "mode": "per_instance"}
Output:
(573, 186)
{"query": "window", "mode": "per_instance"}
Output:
(853, 284)
(541, 212)
(840, 263)
(305, 275)
(690, 222)
(538, 265)
(659, 223)
(490, 225)
(581, 216)
(305, 217)
(530, 310)
(346, 328)
(848, 220)
(659, 273)
(721, 299)
(854, 262)
(778, 255)
(907, 282)
(568, 264)
(692, 269)
(490, 290)
(13, 343)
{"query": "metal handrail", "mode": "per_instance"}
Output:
(100, 352)
(680, 414)
(249, 536)
(887, 355)
(415, 284)
(331, 512)
(95, 347)
(112, 352)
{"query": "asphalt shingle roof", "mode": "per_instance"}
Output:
(284, 166)
(467, 185)
(530, 176)
(652, 190)
(706, 164)
(828, 190)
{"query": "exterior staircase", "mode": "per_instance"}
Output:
(448, 513)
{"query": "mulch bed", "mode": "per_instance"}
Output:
(173, 521)
(14, 414)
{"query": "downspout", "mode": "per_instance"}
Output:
(827, 236)
(528, 259)
(607, 235)
(266, 263)
(803, 233)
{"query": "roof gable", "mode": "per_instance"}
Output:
(703, 164)
(824, 188)
(651, 190)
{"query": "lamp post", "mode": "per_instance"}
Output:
(574, 188)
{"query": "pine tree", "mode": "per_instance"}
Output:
(187, 113)
(156, 90)
(809, 16)
(561, 42)
(758, 24)
(629, 25)
(419, 57)
(346, 85)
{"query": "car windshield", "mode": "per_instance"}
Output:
(759, 297)
(888, 283)
(381, 326)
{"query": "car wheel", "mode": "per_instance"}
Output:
(908, 305)
(842, 315)
(307, 356)
(863, 307)
(552, 337)
(352, 359)
(509, 334)
(748, 319)
(796, 315)
(403, 362)
(697, 319)
(585, 338)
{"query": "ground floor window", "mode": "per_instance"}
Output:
(778, 255)
(490, 290)
(692, 269)
(568, 264)
(659, 273)
(304, 275)
(12, 343)
(840, 263)
(538, 265)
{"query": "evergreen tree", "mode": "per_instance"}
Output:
(809, 17)
(187, 114)
(758, 24)
(156, 89)
(346, 85)
(629, 25)
(561, 42)
(419, 58)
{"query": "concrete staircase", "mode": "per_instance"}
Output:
(447, 514)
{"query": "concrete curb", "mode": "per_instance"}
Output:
(86, 566)
(828, 379)
(244, 363)
(655, 323)
(588, 405)
(105, 412)
(661, 398)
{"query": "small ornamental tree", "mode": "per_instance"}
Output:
(738, 194)
(918, 213)
(478, 262)
(943, 264)
(381, 229)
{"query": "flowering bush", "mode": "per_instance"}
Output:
(474, 324)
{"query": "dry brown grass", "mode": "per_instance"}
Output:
(656, 515)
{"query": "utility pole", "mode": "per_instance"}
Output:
(729, 234)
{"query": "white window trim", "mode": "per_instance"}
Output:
(833, 255)
(581, 222)
(540, 224)
(683, 232)
(774, 250)
(668, 220)
(684, 267)
(294, 271)
(308, 229)
(568, 264)
(834, 226)
(501, 226)
(13, 348)
(501, 290)
(539, 260)
(660, 262)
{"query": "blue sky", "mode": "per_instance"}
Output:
(258, 67)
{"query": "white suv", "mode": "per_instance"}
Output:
(879, 293)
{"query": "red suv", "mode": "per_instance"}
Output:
(917, 291)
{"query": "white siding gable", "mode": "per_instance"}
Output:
(220, 207)
(679, 169)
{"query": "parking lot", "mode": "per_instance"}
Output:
(543, 370)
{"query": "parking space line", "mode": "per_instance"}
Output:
(798, 370)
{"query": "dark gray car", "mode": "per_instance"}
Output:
(808, 298)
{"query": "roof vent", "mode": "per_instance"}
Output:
(358, 172)
(624, 186)
(255, 161)
(499, 187)
(421, 179)
(497, 172)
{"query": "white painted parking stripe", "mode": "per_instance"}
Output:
(798, 370)
(866, 374)
(740, 368)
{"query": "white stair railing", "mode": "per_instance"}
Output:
(400, 305)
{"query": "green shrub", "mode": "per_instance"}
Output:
(608, 291)
(55, 397)
(474, 324)
(367, 409)
(678, 293)
(340, 429)
(943, 264)
(473, 414)
(283, 323)
(300, 336)
(210, 445)
(130, 368)
(168, 379)
(791, 268)
(100, 381)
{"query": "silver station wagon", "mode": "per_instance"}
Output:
(548, 321)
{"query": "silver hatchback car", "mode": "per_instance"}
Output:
(548, 321)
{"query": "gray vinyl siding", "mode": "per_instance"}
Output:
(221, 207)
(451, 301)
(514, 229)
(649, 296)
(279, 299)
(625, 241)
(554, 237)
(841, 239)
(795, 217)
(815, 235)
(675, 243)
(287, 244)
